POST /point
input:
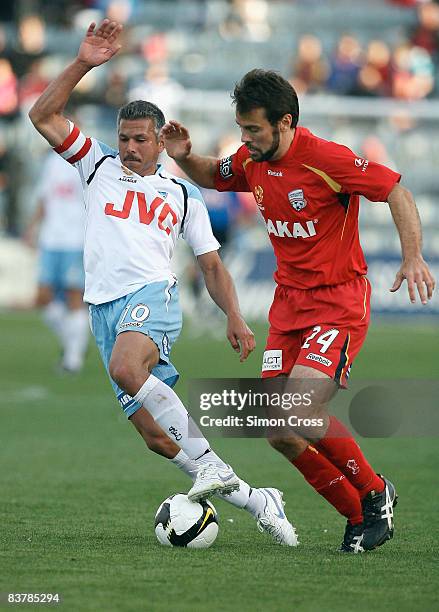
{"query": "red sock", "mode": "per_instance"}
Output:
(329, 482)
(340, 448)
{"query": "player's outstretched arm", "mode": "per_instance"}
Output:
(413, 268)
(220, 286)
(178, 145)
(98, 46)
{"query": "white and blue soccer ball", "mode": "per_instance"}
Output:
(181, 522)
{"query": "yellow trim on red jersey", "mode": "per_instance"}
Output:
(365, 296)
(347, 358)
(345, 217)
(246, 161)
(328, 180)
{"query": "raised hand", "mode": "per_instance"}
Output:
(98, 46)
(176, 139)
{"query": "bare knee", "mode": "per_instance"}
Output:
(44, 296)
(125, 373)
(133, 358)
(74, 298)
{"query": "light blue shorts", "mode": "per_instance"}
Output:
(153, 310)
(61, 270)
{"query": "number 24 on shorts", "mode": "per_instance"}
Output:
(325, 339)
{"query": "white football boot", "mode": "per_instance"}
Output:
(272, 519)
(211, 479)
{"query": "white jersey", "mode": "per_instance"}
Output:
(132, 222)
(60, 192)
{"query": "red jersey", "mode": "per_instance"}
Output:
(309, 200)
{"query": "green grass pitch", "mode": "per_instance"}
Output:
(79, 491)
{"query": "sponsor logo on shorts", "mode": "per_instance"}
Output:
(225, 167)
(165, 345)
(319, 359)
(272, 360)
(131, 324)
(124, 400)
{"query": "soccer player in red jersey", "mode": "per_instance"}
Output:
(307, 190)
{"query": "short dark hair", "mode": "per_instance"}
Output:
(269, 90)
(141, 109)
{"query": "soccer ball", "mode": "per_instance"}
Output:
(180, 522)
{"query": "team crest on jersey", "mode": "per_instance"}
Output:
(297, 199)
(259, 196)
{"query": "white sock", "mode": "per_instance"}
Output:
(53, 316)
(76, 331)
(166, 408)
(245, 498)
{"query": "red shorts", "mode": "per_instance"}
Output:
(322, 328)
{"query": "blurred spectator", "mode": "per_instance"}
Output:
(31, 44)
(426, 35)
(10, 169)
(32, 85)
(310, 69)
(246, 19)
(158, 87)
(254, 14)
(413, 77)
(115, 91)
(375, 150)
(345, 66)
(375, 76)
(8, 89)
(155, 48)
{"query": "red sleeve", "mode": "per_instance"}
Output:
(230, 172)
(354, 174)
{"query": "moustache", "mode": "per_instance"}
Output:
(131, 158)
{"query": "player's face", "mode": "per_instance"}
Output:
(139, 147)
(261, 138)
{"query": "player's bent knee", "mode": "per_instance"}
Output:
(124, 375)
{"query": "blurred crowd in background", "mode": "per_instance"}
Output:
(186, 55)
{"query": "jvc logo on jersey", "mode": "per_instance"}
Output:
(146, 215)
(272, 360)
(282, 229)
(361, 163)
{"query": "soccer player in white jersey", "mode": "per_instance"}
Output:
(135, 212)
(60, 217)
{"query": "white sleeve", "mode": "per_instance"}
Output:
(197, 230)
(83, 153)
